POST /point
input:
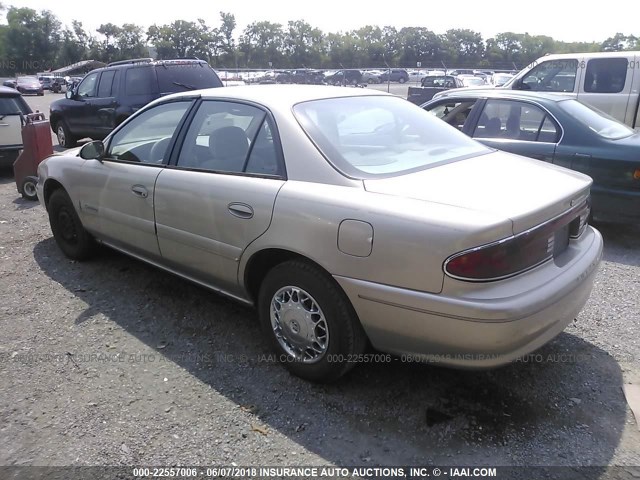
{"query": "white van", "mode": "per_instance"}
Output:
(12, 107)
(609, 81)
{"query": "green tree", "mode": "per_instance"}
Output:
(261, 43)
(303, 44)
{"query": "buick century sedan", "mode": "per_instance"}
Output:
(347, 217)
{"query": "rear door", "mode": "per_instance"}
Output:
(518, 127)
(607, 84)
(219, 195)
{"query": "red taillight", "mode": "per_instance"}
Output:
(519, 253)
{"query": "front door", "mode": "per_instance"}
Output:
(220, 194)
(116, 192)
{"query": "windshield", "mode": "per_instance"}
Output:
(596, 120)
(180, 77)
(381, 136)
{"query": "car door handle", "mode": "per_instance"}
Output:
(583, 155)
(240, 210)
(140, 191)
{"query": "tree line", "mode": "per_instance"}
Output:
(34, 41)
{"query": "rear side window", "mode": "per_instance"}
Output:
(139, 81)
(516, 121)
(187, 76)
(13, 106)
(106, 81)
(606, 75)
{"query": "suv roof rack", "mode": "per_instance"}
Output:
(133, 60)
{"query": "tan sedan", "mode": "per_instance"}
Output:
(346, 216)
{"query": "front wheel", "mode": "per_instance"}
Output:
(402, 80)
(65, 138)
(309, 321)
(74, 241)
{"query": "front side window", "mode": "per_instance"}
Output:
(147, 136)
(381, 136)
(551, 76)
(515, 120)
(454, 112)
(231, 137)
(88, 86)
(606, 75)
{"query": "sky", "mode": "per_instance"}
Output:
(561, 19)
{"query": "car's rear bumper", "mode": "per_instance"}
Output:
(614, 205)
(482, 325)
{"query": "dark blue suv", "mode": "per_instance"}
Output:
(106, 96)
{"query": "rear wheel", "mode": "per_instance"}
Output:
(65, 138)
(402, 80)
(309, 321)
(74, 241)
(28, 188)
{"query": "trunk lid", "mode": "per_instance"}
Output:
(526, 191)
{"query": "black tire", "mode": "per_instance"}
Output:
(65, 138)
(402, 80)
(74, 241)
(344, 332)
(28, 188)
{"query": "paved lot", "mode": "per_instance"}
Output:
(112, 362)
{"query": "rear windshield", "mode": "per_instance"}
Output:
(13, 106)
(596, 120)
(187, 76)
(381, 136)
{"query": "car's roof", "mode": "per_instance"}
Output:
(504, 93)
(7, 91)
(279, 95)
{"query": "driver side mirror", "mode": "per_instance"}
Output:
(70, 93)
(92, 150)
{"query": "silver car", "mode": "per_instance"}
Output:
(348, 217)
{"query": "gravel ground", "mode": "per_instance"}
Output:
(112, 362)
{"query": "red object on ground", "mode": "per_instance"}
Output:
(37, 145)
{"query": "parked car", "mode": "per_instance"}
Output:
(395, 75)
(29, 85)
(558, 130)
(344, 77)
(371, 76)
(54, 84)
(12, 106)
(604, 80)
(472, 81)
(346, 216)
(10, 83)
(107, 96)
(432, 85)
(499, 79)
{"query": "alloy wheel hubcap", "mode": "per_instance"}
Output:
(299, 324)
(61, 139)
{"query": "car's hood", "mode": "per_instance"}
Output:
(528, 192)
